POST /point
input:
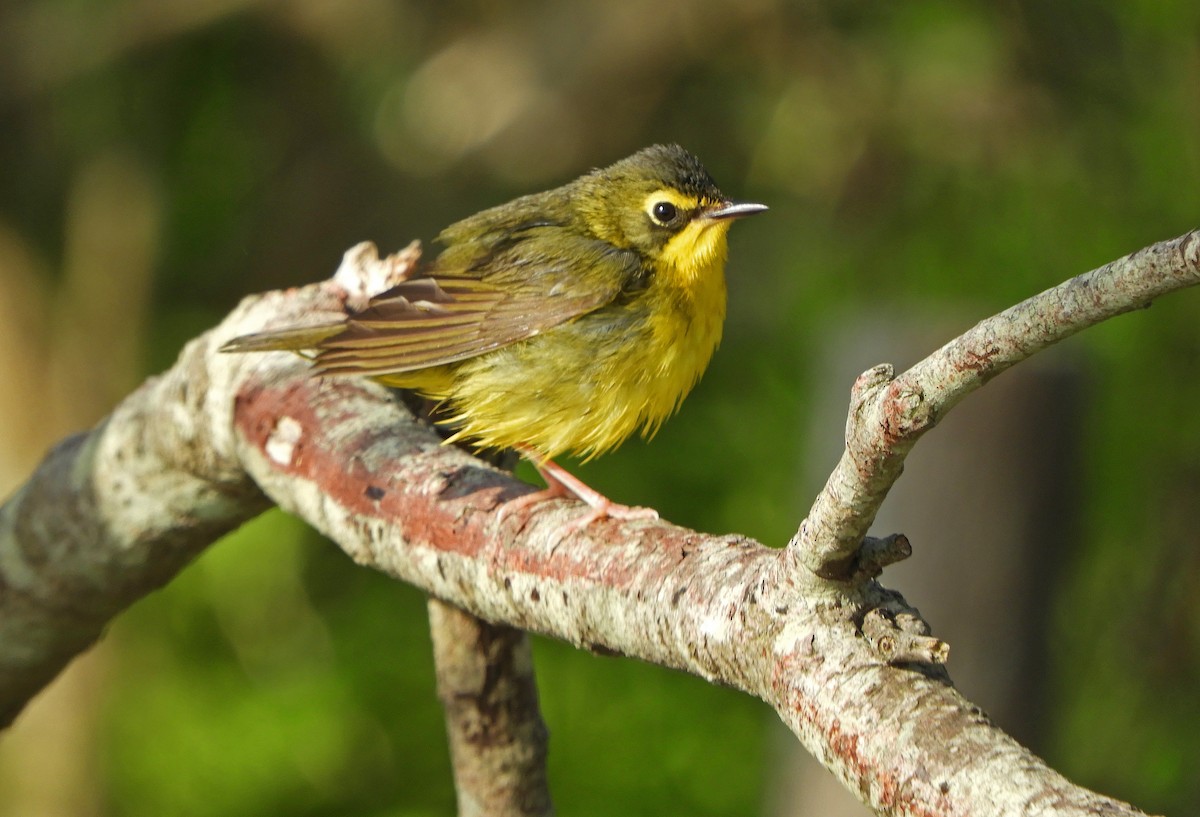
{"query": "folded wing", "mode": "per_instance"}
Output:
(523, 289)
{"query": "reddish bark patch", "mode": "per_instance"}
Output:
(367, 470)
(392, 478)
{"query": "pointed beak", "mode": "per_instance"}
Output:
(733, 209)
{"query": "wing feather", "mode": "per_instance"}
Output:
(537, 281)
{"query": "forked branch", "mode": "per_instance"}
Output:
(114, 513)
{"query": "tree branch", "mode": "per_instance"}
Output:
(497, 736)
(889, 414)
(347, 457)
(111, 515)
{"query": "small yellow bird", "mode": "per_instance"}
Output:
(562, 321)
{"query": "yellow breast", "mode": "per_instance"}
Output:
(686, 327)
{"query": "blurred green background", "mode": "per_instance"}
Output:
(161, 158)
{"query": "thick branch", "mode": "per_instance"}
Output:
(116, 512)
(722, 608)
(111, 515)
(889, 414)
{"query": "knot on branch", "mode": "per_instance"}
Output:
(905, 413)
(363, 274)
(868, 560)
(887, 415)
(877, 553)
(903, 637)
(865, 392)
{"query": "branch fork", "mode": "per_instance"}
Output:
(196, 451)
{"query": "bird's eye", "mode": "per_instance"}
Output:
(664, 212)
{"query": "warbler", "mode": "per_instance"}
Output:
(560, 322)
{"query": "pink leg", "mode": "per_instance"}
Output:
(561, 482)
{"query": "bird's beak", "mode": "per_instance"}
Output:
(733, 209)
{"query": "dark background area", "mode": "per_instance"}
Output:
(161, 159)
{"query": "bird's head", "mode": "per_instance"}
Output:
(661, 203)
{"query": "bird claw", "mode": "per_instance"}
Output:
(606, 510)
(522, 502)
(602, 509)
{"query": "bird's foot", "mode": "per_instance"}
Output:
(605, 510)
(561, 483)
(520, 503)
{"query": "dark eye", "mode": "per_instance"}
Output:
(664, 212)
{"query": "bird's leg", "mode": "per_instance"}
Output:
(561, 482)
(602, 506)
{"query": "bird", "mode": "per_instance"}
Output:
(561, 322)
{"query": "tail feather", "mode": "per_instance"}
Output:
(293, 339)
